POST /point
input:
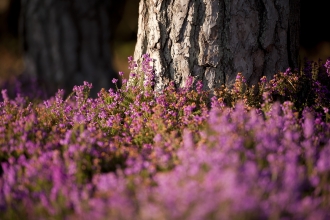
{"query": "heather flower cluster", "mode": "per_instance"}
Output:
(243, 152)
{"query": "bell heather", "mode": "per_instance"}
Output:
(184, 153)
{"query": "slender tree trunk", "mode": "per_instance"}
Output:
(213, 40)
(67, 42)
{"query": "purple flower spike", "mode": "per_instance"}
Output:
(114, 80)
(287, 71)
(327, 66)
(4, 95)
(89, 85)
(263, 79)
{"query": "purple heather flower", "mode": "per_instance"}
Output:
(287, 71)
(263, 79)
(167, 153)
(158, 138)
(199, 86)
(323, 164)
(114, 80)
(327, 66)
(308, 125)
(4, 95)
(189, 82)
(187, 140)
(89, 85)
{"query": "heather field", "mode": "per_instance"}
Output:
(236, 153)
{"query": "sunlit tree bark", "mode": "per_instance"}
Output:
(213, 40)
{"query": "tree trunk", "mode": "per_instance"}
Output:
(213, 40)
(67, 42)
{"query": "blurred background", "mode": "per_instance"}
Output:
(122, 44)
(315, 38)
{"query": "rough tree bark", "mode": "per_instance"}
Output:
(66, 42)
(213, 40)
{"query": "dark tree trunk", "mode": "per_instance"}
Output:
(213, 40)
(67, 42)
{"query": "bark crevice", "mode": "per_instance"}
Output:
(214, 40)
